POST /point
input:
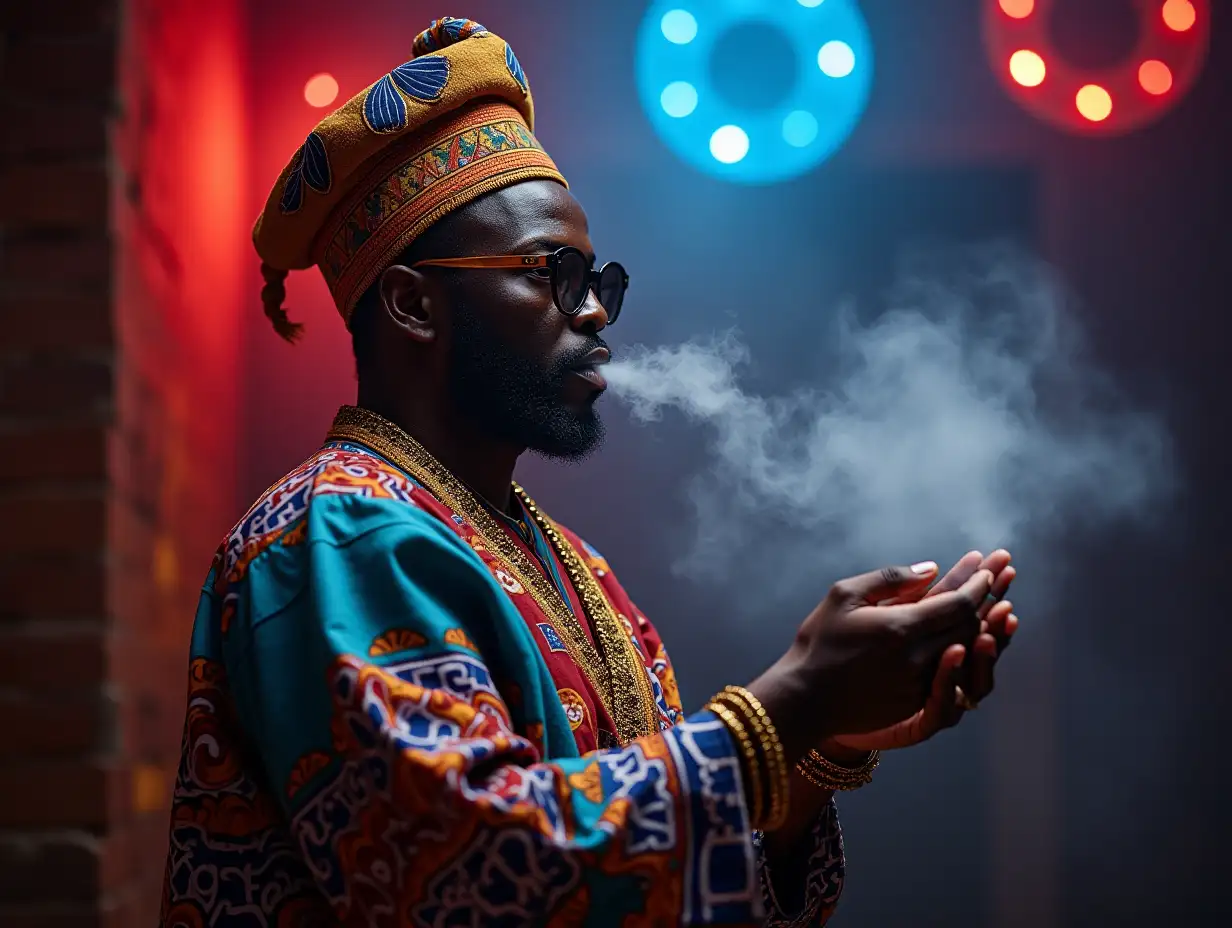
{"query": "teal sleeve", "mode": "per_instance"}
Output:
(387, 682)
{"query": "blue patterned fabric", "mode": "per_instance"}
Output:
(373, 738)
(311, 169)
(421, 79)
(515, 67)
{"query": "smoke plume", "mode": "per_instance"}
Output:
(966, 414)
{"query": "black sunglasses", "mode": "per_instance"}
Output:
(570, 274)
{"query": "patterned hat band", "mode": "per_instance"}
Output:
(454, 161)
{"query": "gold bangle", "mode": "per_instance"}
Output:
(824, 773)
(753, 725)
(772, 750)
(778, 759)
(777, 770)
(752, 762)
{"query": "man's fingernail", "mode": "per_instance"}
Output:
(924, 567)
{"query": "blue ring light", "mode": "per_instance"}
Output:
(788, 137)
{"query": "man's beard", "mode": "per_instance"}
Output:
(516, 400)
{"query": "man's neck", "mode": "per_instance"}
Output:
(483, 466)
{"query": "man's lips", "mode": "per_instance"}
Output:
(588, 370)
(596, 357)
(592, 376)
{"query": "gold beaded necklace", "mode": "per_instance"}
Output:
(614, 668)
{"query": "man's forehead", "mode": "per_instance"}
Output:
(534, 210)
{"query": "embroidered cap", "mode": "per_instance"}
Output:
(453, 123)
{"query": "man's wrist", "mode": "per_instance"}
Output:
(784, 695)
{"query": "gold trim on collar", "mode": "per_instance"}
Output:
(615, 670)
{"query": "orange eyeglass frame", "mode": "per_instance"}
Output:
(551, 261)
(497, 261)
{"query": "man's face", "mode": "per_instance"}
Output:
(518, 366)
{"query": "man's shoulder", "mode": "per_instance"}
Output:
(336, 472)
(335, 469)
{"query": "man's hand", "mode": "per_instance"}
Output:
(858, 665)
(961, 680)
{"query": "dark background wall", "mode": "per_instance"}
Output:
(1088, 792)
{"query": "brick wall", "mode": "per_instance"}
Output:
(123, 257)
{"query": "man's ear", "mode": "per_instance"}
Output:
(410, 300)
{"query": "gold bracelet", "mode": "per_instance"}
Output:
(824, 773)
(777, 771)
(752, 761)
(756, 729)
(779, 784)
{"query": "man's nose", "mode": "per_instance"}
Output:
(592, 316)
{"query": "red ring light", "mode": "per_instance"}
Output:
(1172, 45)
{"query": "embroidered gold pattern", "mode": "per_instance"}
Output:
(631, 692)
(618, 676)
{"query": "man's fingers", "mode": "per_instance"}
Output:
(997, 622)
(879, 585)
(981, 665)
(994, 620)
(997, 561)
(953, 616)
(941, 710)
(1004, 577)
(959, 574)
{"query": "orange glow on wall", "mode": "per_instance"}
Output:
(321, 90)
(1179, 15)
(1027, 67)
(1155, 77)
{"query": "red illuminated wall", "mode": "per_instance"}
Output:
(122, 190)
(292, 392)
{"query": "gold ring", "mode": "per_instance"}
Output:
(965, 702)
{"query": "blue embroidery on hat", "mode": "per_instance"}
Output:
(421, 79)
(311, 168)
(384, 108)
(515, 68)
(459, 29)
(446, 31)
(550, 636)
(316, 164)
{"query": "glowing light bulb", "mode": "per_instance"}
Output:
(1179, 15)
(836, 59)
(679, 99)
(800, 128)
(1018, 9)
(321, 90)
(729, 144)
(679, 27)
(1027, 68)
(1094, 102)
(1155, 77)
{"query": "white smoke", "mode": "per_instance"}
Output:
(966, 415)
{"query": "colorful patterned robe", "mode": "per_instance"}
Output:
(383, 729)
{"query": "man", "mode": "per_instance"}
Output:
(414, 699)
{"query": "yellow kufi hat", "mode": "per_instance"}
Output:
(453, 123)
